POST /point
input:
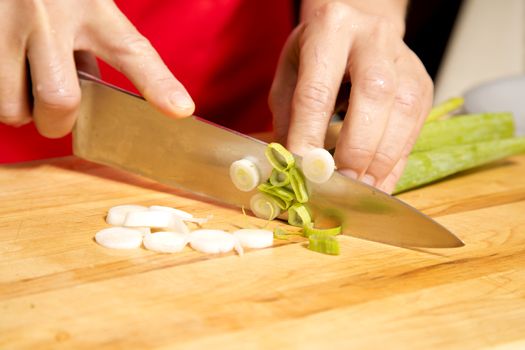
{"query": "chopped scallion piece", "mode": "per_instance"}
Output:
(298, 185)
(283, 196)
(325, 244)
(309, 230)
(298, 215)
(279, 178)
(264, 206)
(280, 233)
(279, 157)
(244, 175)
(318, 165)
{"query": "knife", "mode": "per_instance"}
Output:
(122, 130)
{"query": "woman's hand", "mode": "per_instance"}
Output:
(53, 39)
(390, 96)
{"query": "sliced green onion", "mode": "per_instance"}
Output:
(283, 197)
(279, 157)
(244, 175)
(280, 233)
(318, 165)
(309, 230)
(279, 178)
(325, 244)
(298, 215)
(298, 185)
(264, 206)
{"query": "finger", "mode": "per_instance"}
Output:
(283, 87)
(389, 184)
(322, 64)
(118, 43)
(56, 91)
(412, 102)
(86, 62)
(14, 99)
(374, 82)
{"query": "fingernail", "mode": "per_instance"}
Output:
(181, 101)
(349, 173)
(369, 180)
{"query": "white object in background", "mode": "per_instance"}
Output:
(488, 42)
(500, 95)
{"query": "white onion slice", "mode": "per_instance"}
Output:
(184, 216)
(244, 175)
(119, 238)
(178, 225)
(264, 206)
(200, 221)
(212, 241)
(238, 247)
(144, 230)
(318, 165)
(254, 238)
(117, 215)
(166, 242)
(150, 218)
(177, 212)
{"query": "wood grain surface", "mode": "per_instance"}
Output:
(60, 290)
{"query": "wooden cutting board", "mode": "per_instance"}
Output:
(60, 290)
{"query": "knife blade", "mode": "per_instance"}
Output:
(122, 130)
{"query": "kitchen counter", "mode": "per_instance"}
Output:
(60, 290)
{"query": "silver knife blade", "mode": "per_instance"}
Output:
(122, 130)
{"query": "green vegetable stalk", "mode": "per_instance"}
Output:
(428, 166)
(465, 129)
(451, 105)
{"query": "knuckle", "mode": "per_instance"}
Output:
(317, 96)
(133, 44)
(360, 157)
(334, 12)
(408, 101)
(382, 26)
(58, 100)
(382, 164)
(377, 84)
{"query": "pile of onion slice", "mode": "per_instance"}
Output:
(164, 230)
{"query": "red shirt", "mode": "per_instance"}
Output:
(223, 51)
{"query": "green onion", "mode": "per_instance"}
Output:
(280, 233)
(445, 108)
(425, 167)
(279, 157)
(309, 230)
(298, 215)
(279, 178)
(283, 197)
(261, 202)
(465, 129)
(298, 185)
(325, 244)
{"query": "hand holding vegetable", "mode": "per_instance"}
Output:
(58, 37)
(390, 97)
